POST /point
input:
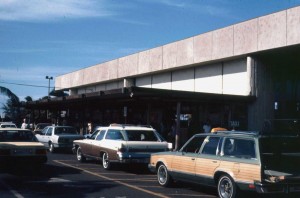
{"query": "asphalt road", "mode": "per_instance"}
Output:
(63, 176)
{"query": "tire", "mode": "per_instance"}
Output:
(227, 187)
(163, 176)
(80, 156)
(105, 162)
(51, 148)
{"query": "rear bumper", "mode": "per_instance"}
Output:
(127, 158)
(23, 160)
(283, 188)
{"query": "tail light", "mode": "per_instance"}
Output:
(122, 150)
(41, 152)
(4, 151)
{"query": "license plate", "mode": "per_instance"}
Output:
(23, 151)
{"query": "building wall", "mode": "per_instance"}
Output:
(231, 77)
(263, 33)
(263, 107)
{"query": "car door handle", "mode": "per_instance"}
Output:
(193, 159)
(214, 161)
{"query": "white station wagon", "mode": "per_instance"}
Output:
(121, 144)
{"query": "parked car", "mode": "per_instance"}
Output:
(58, 137)
(233, 161)
(121, 144)
(19, 146)
(40, 126)
(7, 125)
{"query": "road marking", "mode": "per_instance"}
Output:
(113, 180)
(12, 191)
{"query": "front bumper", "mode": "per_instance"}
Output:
(63, 145)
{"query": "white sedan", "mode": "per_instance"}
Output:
(55, 137)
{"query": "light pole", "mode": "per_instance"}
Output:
(49, 78)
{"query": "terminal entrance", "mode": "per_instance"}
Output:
(285, 72)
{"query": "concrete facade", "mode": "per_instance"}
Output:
(272, 31)
(232, 61)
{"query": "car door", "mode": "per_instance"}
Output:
(45, 136)
(239, 155)
(208, 160)
(184, 162)
(95, 144)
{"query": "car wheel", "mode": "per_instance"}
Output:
(80, 156)
(51, 148)
(226, 187)
(105, 162)
(163, 176)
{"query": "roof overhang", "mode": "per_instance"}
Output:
(136, 94)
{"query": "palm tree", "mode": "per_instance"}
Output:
(13, 107)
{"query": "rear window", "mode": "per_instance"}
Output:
(65, 130)
(141, 135)
(17, 136)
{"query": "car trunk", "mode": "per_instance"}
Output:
(280, 157)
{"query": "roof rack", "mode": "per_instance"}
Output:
(239, 132)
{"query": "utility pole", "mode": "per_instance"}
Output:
(49, 78)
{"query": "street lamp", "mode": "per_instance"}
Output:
(49, 78)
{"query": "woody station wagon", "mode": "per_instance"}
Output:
(234, 161)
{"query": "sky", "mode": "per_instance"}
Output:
(40, 38)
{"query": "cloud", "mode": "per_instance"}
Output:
(52, 10)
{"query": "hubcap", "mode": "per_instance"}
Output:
(225, 188)
(162, 175)
(105, 161)
(79, 154)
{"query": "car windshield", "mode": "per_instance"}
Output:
(141, 135)
(8, 126)
(65, 130)
(42, 126)
(17, 136)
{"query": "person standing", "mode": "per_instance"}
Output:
(24, 124)
(207, 127)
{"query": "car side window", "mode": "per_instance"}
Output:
(94, 134)
(100, 135)
(239, 148)
(49, 132)
(211, 145)
(44, 131)
(114, 135)
(194, 145)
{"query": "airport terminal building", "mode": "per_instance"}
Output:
(234, 77)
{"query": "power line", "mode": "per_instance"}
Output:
(27, 85)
